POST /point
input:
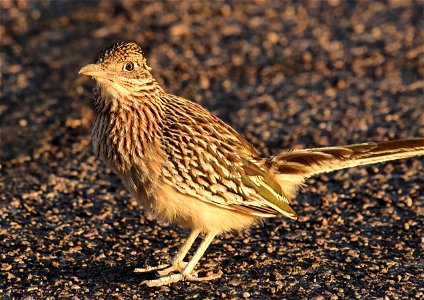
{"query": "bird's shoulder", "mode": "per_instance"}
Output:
(183, 116)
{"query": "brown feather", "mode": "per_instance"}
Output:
(309, 162)
(183, 163)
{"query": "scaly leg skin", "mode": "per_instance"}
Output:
(177, 262)
(186, 274)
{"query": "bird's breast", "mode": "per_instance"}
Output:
(137, 161)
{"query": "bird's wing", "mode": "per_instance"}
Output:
(210, 161)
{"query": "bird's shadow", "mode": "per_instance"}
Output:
(100, 272)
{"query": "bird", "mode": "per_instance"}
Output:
(187, 167)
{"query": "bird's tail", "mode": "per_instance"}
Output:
(308, 162)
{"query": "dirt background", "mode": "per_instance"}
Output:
(286, 74)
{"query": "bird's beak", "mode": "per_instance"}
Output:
(94, 70)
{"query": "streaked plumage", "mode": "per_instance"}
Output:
(187, 166)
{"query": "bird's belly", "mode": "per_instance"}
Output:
(141, 186)
(190, 212)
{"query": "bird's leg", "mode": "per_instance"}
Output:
(177, 263)
(186, 272)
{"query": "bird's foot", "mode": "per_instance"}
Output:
(177, 267)
(162, 270)
(164, 280)
(168, 279)
(150, 269)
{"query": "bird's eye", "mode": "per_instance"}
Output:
(129, 66)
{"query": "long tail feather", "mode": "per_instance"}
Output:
(308, 162)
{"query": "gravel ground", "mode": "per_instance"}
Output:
(287, 74)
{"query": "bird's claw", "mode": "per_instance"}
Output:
(168, 279)
(150, 269)
(162, 270)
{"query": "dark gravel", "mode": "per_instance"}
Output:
(285, 74)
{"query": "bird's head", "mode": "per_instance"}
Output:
(120, 70)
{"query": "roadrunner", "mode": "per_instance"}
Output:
(186, 166)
